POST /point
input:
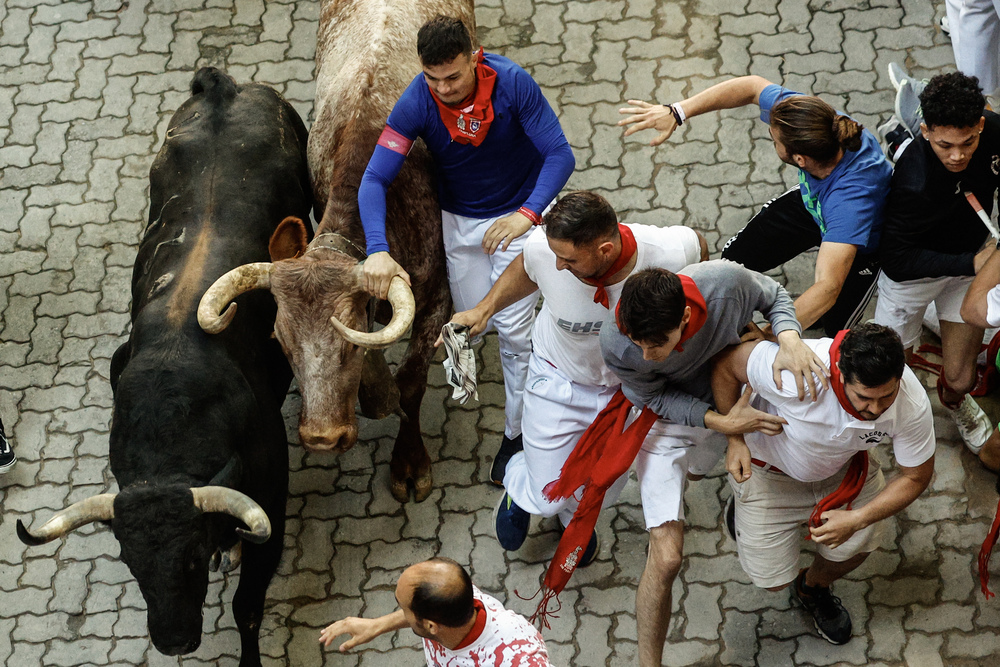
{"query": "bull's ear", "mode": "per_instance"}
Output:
(288, 240)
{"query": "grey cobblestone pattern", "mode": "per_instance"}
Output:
(87, 90)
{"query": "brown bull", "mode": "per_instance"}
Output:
(365, 57)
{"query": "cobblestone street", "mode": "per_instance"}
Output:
(87, 90)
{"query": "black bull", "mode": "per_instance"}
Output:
(197, 442)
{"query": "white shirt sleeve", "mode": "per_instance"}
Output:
(993, 307)
(914, 443)
(761, 375)
(533, 254)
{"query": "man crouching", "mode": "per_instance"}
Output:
(824, 452)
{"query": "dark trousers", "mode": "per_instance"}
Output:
(784, 229)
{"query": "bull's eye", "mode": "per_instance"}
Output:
(192, 565)
(274, 335)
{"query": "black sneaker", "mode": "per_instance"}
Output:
(831, 619)
(729, 512)
(590, 554)
(508, 447)
(7, 456)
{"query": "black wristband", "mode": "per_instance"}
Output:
(676, 115)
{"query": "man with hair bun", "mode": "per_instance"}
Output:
(934, 240)
(460, 625)
(826, 452)
(836, 205)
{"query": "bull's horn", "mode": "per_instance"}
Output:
(229, 286)
(95, 508)
(403, 308)
(229, 501)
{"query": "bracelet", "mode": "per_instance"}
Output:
(530, 215)
(677, 112)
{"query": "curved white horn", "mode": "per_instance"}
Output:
(229, 286)
(403, 309)
(239, 505)
(95, 508)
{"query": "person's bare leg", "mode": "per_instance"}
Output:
(824, 572)
(652, 599)
(960, 345)
(989, 455)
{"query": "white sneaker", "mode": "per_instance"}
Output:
(973, 424)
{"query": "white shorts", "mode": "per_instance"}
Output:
(901, 306)
(557, 411)
(772, 510)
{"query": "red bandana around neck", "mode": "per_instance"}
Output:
(837, 381)
(693, 300)
(465, 125)
(477, 628)
(628, 250)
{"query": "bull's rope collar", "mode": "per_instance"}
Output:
(337, 243)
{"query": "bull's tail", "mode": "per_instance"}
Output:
(217, 86)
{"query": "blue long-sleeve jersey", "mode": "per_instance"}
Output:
(524, 160)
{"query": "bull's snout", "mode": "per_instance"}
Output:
(338, 439)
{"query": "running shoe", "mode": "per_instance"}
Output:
(831, 619)
(7, 456)
(510, 523)
(908, 105)
(973, 425)
(895, 137)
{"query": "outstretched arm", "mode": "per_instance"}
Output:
(362, 630)
(730, 94)
(512, 286)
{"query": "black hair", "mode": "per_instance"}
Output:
(444, 604)
(871, 354)
(442, 39)
(952, 99)
(651, 306)
(581, 217)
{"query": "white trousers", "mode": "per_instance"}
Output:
(557, 411)
(471, 274)
(975, 37)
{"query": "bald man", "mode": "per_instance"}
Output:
(461, 626)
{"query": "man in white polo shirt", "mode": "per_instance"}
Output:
(823, 454)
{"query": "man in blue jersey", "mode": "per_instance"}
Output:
(500, 159)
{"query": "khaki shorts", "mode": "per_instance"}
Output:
(772, 511)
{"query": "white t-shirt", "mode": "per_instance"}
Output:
(821, 437)
(566, 332)
(507, 640)
(993, 307)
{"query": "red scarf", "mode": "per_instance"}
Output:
(857, 472)
(694, 300)
(470, 126)
(605, 451)
(986, 551)
(628, 250)
(477, 628)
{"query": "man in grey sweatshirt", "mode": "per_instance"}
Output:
(670, 326)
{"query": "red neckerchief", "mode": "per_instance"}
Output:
(836, 381)
(854, 480)
(477, 627)
(693, 300)
(628, 250)
(470, 126)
